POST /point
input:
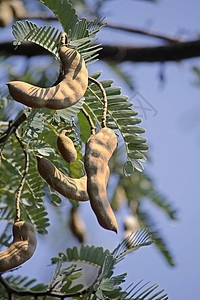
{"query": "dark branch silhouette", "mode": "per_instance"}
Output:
(170, 52)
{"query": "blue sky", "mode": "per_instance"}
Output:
(173, 136)
(174, 141)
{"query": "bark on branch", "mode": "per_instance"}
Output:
(171, 52)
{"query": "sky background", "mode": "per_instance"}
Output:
(174, 138)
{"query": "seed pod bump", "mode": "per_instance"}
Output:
(66, 147)
(22, 248)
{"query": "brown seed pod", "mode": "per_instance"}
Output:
(66, 147)
(71, 188)
(18, 8)
(6, 14)
(77, 225)
(22, 248)
(66, 93)
(99, 149)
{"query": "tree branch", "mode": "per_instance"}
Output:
(143, 32)
(172, 52)
(12, 127)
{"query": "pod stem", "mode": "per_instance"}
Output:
(89, 120)
(105, 100)
(17, 206)
(63, 39)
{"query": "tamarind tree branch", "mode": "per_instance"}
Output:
(172, 52)
(143, 32)
(4, 140)
(11, 290)
(17, 206)
(12, 127)
(103, 122)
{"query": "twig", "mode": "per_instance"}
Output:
(144, 32)
(89, 120)
(5, 139)
(12, 127)
(35, 294)
(103, 122)
(17, 206)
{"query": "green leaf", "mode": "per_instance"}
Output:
(46, 36)
(45, 151)
(128, 168)
(64, 11)
(70, 112)
(99, 294)
(85, 129)
(108, 265)
(88, 254)
(156, 236)
(141, 292)
(131, 243)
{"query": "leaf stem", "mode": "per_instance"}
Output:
(17, 206)
(89, 120)
(105, 106)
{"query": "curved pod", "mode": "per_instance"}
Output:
(99, 149)
(71, 188)
(66, 147)
(66, 93)
(22, 248)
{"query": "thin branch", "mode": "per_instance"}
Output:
(12, 127)
(172, 52)
(4, 141)
(17, 206)
(89, 120)
(35, 294)
(143, 32)
(105, 100)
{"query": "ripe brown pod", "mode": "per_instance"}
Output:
(99, 149)
(66, 93)
(66, 147)
(77, 225)
(22, 248)
(6, 14)
(71, 188)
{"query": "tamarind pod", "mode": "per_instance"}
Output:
(99, 149)
(66, 147)
(6, 14)
(71, 188)
(77, 225)
(66, 93)
(22, 248)
(18, 8)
